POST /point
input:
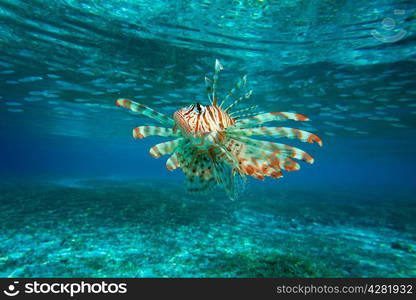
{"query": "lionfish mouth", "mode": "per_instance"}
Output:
(214, 146)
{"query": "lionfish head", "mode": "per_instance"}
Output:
(187, 118)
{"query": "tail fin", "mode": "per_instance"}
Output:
(230, 181)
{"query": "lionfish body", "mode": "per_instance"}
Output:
(214, 146)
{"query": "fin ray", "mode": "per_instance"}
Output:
(290, 133)
(269, 117)
(145, 131)
(146, 111)
(165, 148)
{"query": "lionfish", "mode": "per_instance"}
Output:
(213, 145)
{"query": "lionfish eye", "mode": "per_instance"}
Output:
(198, 107)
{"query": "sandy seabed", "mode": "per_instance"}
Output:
(113, 228)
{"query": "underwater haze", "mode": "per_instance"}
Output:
(80, 197)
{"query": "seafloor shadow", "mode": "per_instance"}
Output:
(152, 229)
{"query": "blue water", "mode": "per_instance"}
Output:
(80, 197)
